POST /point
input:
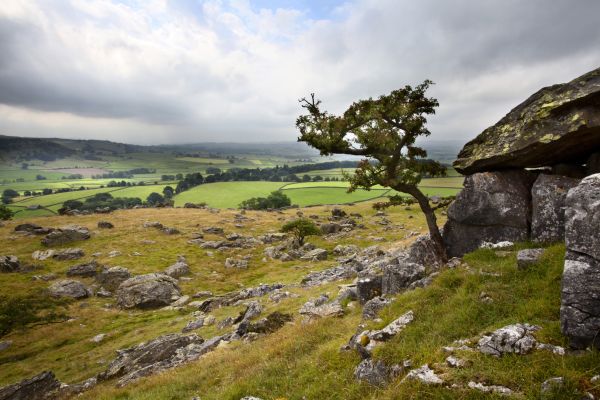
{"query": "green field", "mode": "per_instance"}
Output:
(226, 194)
(311, 196)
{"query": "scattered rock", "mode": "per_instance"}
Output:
(556, 124)
(315, 255)
(69, 288)
(501, 390)
(148, 291)
(368, 288)
(454, 362)
(549, 195)
(366, 341)
(105, 225)
(154, 356)
(114, 253)
(154, 224)
(236, 263)
(40, 387)
(33, 229)
(528, 257)
(320, 308)
(170, 231)
(66, 235)
(558, 350)
(98, 338)
(376, 372)
(213, 230)
(552, 384)
(202, 294)
(425, 375)
(331, 228)
(179, 269)
(83, 270)
(372, 307)
(397, 278)
(345, 250)
(193, 325)
(111, 278)
(517, 338)
(9, 264)
(42, 255)
(68, 254)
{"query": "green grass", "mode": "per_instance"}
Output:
(307, 196)
(226, 194)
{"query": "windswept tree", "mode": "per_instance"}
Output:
(384, 131)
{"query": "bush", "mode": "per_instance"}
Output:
(5, 213)
(10, 193)
(301, 228)
(276, 199)
(155, 199)
(37, 308)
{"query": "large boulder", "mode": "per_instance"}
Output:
(548, 197)
(154, 356)
(492, 207)
(398, 277)
(43, 386)
(580, 301)
(111, 278)
(148, 291)
(69, 288)
(9, 264)
(558, 124)
(179, 269)
(85, 270)
(66, 235)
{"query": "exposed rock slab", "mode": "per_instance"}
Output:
(148, 291)
(517, 339)
(528, 257)
(66, 235)
(111, 278)
(179, 269)
(398, 277)
(40, 387)
(9, 264)
(424, 375)
(69, 288)
(558, 124)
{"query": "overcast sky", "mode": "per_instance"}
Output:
(160, 71)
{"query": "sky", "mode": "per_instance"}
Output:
(183, 71)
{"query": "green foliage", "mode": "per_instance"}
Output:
(5, 213)
(100, 200)
(155, 199)
(276, 199)
(23, 310)
(10, 193)
(301, 228)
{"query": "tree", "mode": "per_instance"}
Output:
(383, 131)
(168, 191)
(301, 228)
(276, 199)
(5, 213)
(10, 193)
(155, 199)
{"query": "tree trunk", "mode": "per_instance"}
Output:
(434, 230)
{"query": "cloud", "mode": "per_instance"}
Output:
(180, 71)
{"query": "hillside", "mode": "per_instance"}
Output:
(302, 360)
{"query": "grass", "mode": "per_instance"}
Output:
(309, 196)
(226, 194)
(302, 360)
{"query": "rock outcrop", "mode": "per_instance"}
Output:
(558, 124)
(492, 207)
(111, 278)
(549, 194)
(66, 235)
(69, 288)
(9, 264)
(148, 291)
(580, 302)
(40, 387)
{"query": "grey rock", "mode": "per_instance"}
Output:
(330, 228)
(98, 338)
(111, 278)
(9, 264)
(315, 255)
(68, 254)
(240, 263)
(40, 387)
(492, 207)
(372, 307)
(368, 288)
(425, 375)
(528, 257)
(213, 230)
(552, 384)
(549, 195)
(345, 250)
(83, 270)
(397, 278)
(193, 325)
(366, 341)
(148, 291)
(501, 390)
(179, 269)
(375, 372)
(454, 362)
(66, 235)
(153, 224)
(517, 339)
(69, 288)
(321, 308)
(580, 302)
(41, 255)
(557, 124)
(425, 252)
(157, 355)
(170, 231)
(105, 225)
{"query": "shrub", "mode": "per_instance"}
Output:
(5, 213)
(301, 228)
(155, 199)
(276, 199)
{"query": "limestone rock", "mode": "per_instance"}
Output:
(492, 207)
(9, 264)
(552, 384)
(528, 257)
(40, 387)
(320, 307)
(501, 390)
(557, 124)
(315, 255)
(397, 278)
(372, 307)
(549, 195)
(179, 269)
(66, 235)
(580, 300)
(154, 356)
(83, 270)
(375, 372)
(517, 338)
(111, 278)
(148, 291)
(425, 375)
(368, 288)
(105, 225)
(69, 288)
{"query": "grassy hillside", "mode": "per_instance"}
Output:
(302, 360)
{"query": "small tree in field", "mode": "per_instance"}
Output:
(5, 213)
(384, 131)
(301, 228)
